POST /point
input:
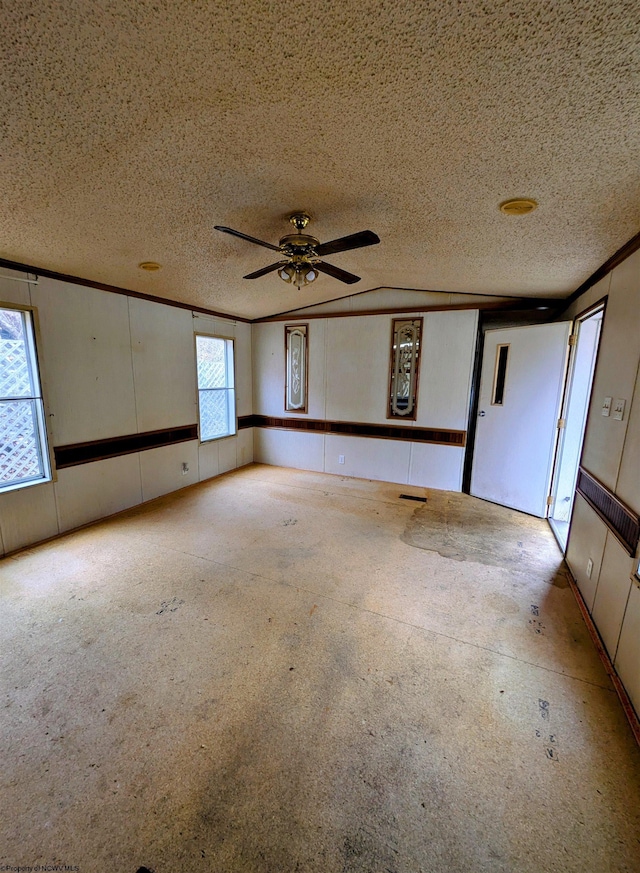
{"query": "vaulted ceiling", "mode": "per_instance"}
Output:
(131, 128)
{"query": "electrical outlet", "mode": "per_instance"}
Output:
(341, 459)
(618, 408)
(606, 406)
(589, 568)
(185, 468)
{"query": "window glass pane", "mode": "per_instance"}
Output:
(214, 414)
(23, 450)
(231, 408)
(500, 377)
(211, 362)
(15, 375)
(405, 360)
(20, 456)
(228, 344)
(216, 397)
(296, 373)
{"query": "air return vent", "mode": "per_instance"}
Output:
(518, 206)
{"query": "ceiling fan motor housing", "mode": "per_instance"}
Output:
(299, 244)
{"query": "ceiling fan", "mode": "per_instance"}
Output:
(302, 253)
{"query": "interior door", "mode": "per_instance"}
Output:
(521, 388)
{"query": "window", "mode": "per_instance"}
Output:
(405, 362)
(216, 392)
(500, 375)
(24, 457)
(295, 399)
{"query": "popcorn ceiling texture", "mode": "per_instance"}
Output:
(130, 129)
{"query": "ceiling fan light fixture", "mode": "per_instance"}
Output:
(305, 275)
(298, 274)
(287, 273)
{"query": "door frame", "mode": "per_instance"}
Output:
(566, 397)
(495, 320)
(489, 320)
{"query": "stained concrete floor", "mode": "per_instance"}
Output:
(278, 671)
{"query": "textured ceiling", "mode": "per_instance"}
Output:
(130, 128)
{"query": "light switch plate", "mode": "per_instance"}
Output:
(606, 406)
(618, 409)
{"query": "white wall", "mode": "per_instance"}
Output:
(349, 381)
(113, 365)
(612, 454)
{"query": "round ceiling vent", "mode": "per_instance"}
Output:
(518, 206)
(149, 266)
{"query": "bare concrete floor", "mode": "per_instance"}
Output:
(274, 671)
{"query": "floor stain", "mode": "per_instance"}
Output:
(366, 851)
(172, 605)
(464, 528)
(501, 603)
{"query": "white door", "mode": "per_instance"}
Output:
(576, 407)
(521, 387)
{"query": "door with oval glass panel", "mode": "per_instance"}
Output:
(521, 388)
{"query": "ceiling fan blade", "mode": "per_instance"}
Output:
(265, 270)
(250, 239)
(354, 241)
(336, 272)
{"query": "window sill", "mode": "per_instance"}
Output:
(18, 486)
(217, 439)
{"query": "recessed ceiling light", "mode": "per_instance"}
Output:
(518, 206)
(149, 266)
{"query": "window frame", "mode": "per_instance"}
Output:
(232, 341)
(43, 434)
(500, 374)
(417, 322)
(289, 329)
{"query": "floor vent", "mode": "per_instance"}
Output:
(413, 497)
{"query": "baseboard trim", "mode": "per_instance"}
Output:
(625, 700)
